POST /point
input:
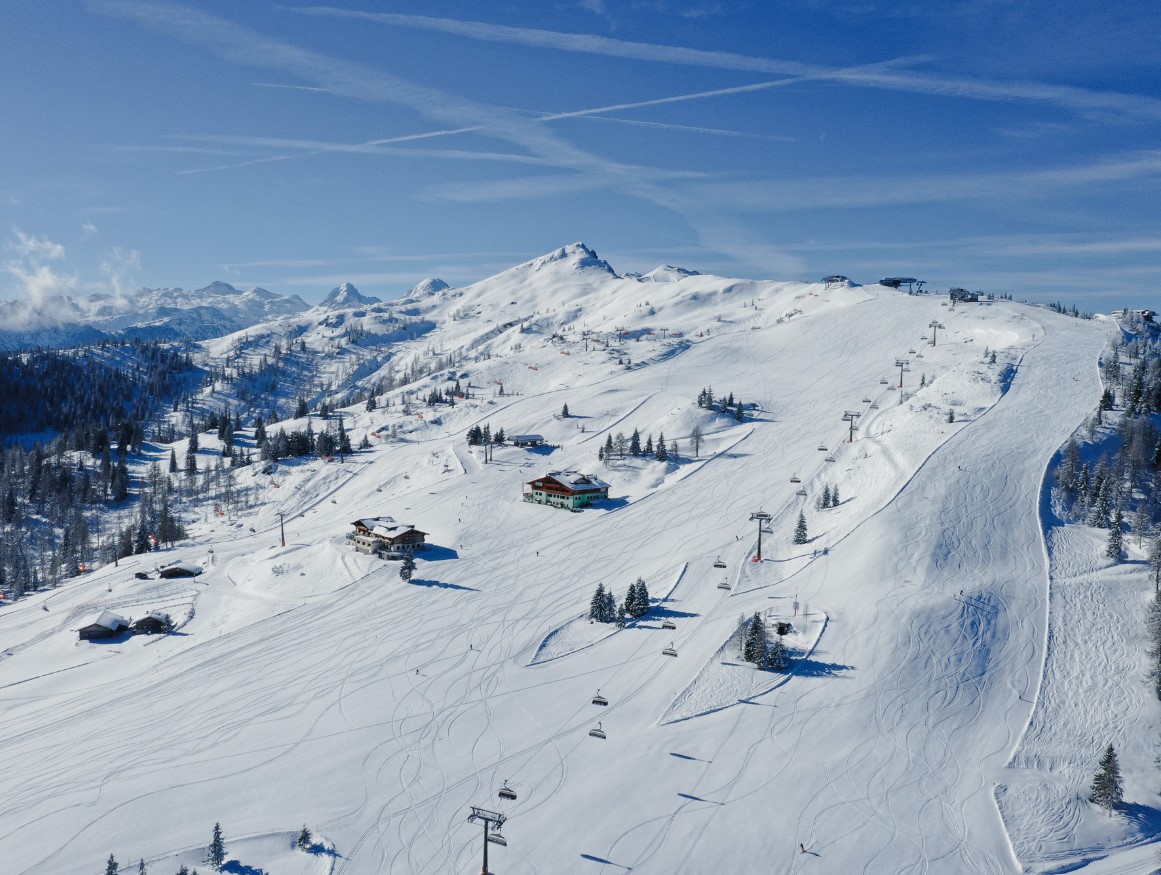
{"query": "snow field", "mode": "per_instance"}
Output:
(315, 686)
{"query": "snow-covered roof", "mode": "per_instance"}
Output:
(525, 438)
(187, 567)
(577, 481)
(110, 620)
(394, 531)
(372, 521)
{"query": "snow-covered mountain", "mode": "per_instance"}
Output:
(310, 684)
(346, 296)
(155, 314)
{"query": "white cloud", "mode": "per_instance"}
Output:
(1082, 100)
(117, 266)
(35, 281)
(88, 229)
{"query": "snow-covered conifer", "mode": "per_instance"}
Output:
(800, 535)
(1116, 544)
(304, 840)
(407, 567)
(1106, 784)
(216, 852)
(755, 646)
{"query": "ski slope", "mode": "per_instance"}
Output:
(309, 684)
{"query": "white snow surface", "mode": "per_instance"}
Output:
(309, 684)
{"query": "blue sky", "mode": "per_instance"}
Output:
(1002, 145)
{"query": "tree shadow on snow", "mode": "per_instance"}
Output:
(439, 584)
(816, 668)
(1148, 818)
(236, 868)
(605, 862)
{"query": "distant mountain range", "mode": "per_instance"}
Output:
(154, 314)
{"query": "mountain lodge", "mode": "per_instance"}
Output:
(569, 489)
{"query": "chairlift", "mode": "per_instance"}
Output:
(911, 352)
(668, 651)
(801, 492)
(866, 399)
(598, 699)
(718, 563)
(725, 584)
(874, 406)
(830, 458)
(822, 448)
(497, 839)
(597, 732)
(919, 355)
(883, 382)
(668, 624)
(794, 478)
(507, 792)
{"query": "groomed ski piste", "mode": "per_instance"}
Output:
(308, 684)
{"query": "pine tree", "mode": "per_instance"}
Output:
(662, 454)
(776, 658)
(635, 443)
(824, 502)
(111, 867)
(695, 438)
(740, 413)
(597, 605)
(183, 870)
(193, 438)
(564, 411)
(1155, 563)
(172, 461)
(407, 568)
(1106, 784)
(1116, 545)
(834, 496)
(216, 852)
(800, 536)
(305, 840)
(648, 449)
(755, 647)
(950, 415)
(300, 408)
(608, 447)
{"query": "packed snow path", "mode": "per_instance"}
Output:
(379, 711)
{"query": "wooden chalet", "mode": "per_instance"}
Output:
(153, 623)
(569, 489)
(180, 569)
(107, 625)
(392, 535)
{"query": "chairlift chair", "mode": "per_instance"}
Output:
(822, 448)
(597, 732)
(507, 792)
(668, 651)
(794, 478)
(801, 492)
(830, 458)
(497, 839)
(874, 406)
(598, 699)
(911, 352)
(668, 624)
(718, 563)
(725, 584)
(866, 399)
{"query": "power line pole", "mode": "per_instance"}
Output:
(489, 819)
(850, 416)
(762, 517)
(901, 364)
(935, 325)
